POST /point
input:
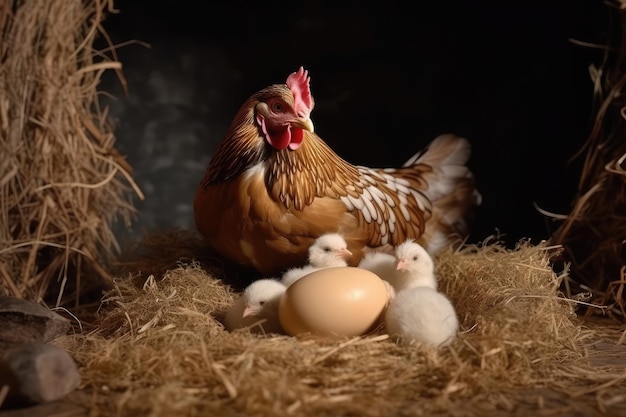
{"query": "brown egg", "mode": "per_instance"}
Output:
(333, 301)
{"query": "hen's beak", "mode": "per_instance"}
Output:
(303, 123)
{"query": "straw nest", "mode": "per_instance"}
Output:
(593, 232)
(159, 348)
(62, 183)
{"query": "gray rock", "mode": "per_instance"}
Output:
(23, 321)
(37, 373)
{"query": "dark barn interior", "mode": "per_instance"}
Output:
(512, 78)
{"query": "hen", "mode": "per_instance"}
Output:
(273, 186)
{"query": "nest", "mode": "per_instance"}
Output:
(159, 349)
(62, 183)
(593, 233)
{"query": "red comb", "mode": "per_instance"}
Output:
(298, 83)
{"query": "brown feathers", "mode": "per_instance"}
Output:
(314, 170)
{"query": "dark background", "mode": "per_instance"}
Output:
(386, 80)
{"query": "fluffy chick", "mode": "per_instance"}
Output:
(421, 314)
(409, 266)
(328, 250)
(414, 267)
(257, 307)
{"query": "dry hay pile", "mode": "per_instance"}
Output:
(62, 183)
(593, 233)
(160, 349)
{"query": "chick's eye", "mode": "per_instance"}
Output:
(327, 249)
(415, 258)
(262, 303)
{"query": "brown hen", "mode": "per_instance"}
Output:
(273, 186)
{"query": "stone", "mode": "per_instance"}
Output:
(23, 321)
(37, 373)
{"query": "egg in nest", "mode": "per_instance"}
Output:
(338, 301)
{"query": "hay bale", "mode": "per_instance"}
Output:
(62, 182)
(593, 232)
(160, 350)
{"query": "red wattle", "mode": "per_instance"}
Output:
(297, 136)
(279, 139)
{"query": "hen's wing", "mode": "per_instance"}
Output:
(430, 196)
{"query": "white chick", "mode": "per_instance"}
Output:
(414, 267)
(382, 264)
(257, 307)
(328, 250)
(410, 266)
(421, 314)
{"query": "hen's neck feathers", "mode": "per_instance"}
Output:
(242, 147)
(296, 177)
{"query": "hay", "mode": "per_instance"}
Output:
(62, 183)
(160, 350)
(593, 232)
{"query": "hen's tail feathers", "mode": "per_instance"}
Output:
(451, 189)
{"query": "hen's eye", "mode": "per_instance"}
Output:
(277, 107)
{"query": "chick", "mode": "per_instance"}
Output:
(414, 267)
(328, 250)
(257, 307)
(409, 266)
(421, 314)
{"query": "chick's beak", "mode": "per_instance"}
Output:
(303, 122)
(249, 311)
(402, 263)
(345, 253)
